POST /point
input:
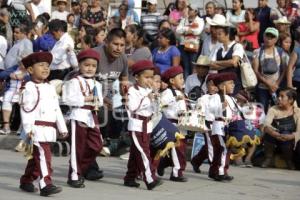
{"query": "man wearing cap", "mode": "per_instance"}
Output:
(195, 85)
(84, 95)
(41, 118)
(140, 111)
(151, 19)
(269, 68)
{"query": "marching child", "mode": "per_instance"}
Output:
(140, 110)
(41, 118)
(84, 94)
(173, 103)
(203, 102)
(221, 107)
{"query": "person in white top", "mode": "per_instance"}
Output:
(237, 14)
(140, 111)
(3, 50)
(189, 30)
(41, 119)
(173, 103)
(64, 58)
(38, 8)
(61, 12)
(84, 95)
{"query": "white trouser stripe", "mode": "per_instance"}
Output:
(175, 162)
(223, 158)
(146, 162)
(74, 175)
(210, 148)
(43, 165)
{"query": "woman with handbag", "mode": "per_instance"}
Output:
(282, 128)
(228, 56)
(269, 68)
(189, 30)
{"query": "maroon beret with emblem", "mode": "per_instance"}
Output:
(89, 53)
(226, 76)
(142, 65)
(171, 73)
(37, 58)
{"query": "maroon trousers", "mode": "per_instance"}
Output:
(86, 143)
(139, 159)
(177, 160)
(39, 166)
(220, 161)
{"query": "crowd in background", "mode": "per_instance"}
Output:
(268, 37)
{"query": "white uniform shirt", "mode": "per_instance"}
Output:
(171, 106)
(204, 102)
(72, 95)
(215, 108)
(47, 110)
(238, 50)
(62, 59)
(140, 104)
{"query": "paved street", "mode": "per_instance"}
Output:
(249, 184)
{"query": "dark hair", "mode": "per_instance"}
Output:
(41, 18)
(89, 40)
(161, 23)
(25, 29)
(117, 20)
(242, 7)
(69, 15)
(253, 13)
(133, 28)
(231, 31)
(145, 36)
(46, 15)
(116, 32)
(122, 4)
(169, 34)
(170, 7)
(290, 93)
(57, 25)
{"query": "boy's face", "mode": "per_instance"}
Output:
(88, 67)
(39, 71)
(156, 82)
(177, 81)
(228, 86)
(211, 88)
(145, 78)
(61, 6)
(201, 70)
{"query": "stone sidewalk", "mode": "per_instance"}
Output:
(249, 184)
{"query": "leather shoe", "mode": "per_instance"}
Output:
(28, 187)
(154, 184)
(228, 178)
(94, 175)
(76, 183)
(195, 168)
(178, 179)
(160, 171)
(131, 184)
(49, 190)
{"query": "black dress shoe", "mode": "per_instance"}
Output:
(154, 184)
(228, 178)
(195, 168)
(160, 171)
(178, 179)
(76, 183)
(94, 175)
(131, 184)
(217, 177)
(50, 189)
(28, 187)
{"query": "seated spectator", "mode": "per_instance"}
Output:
(5, 27)
(282, 25)
(237, 14)
(94, 16)
(21, 48)
(100, 37)
(285, 42)
(131, 31)
(189, 30)
(279, 11)
(166, 54)
(14, 76)
(45, 40)
(3, 50)
(127, 14)
(268, 66)
(169, 9)
(76, 11)
(61, 12)
(282, 128)
(164, 24)
(177, 13)
(114, 22)
(293, 72)
(249, 30)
